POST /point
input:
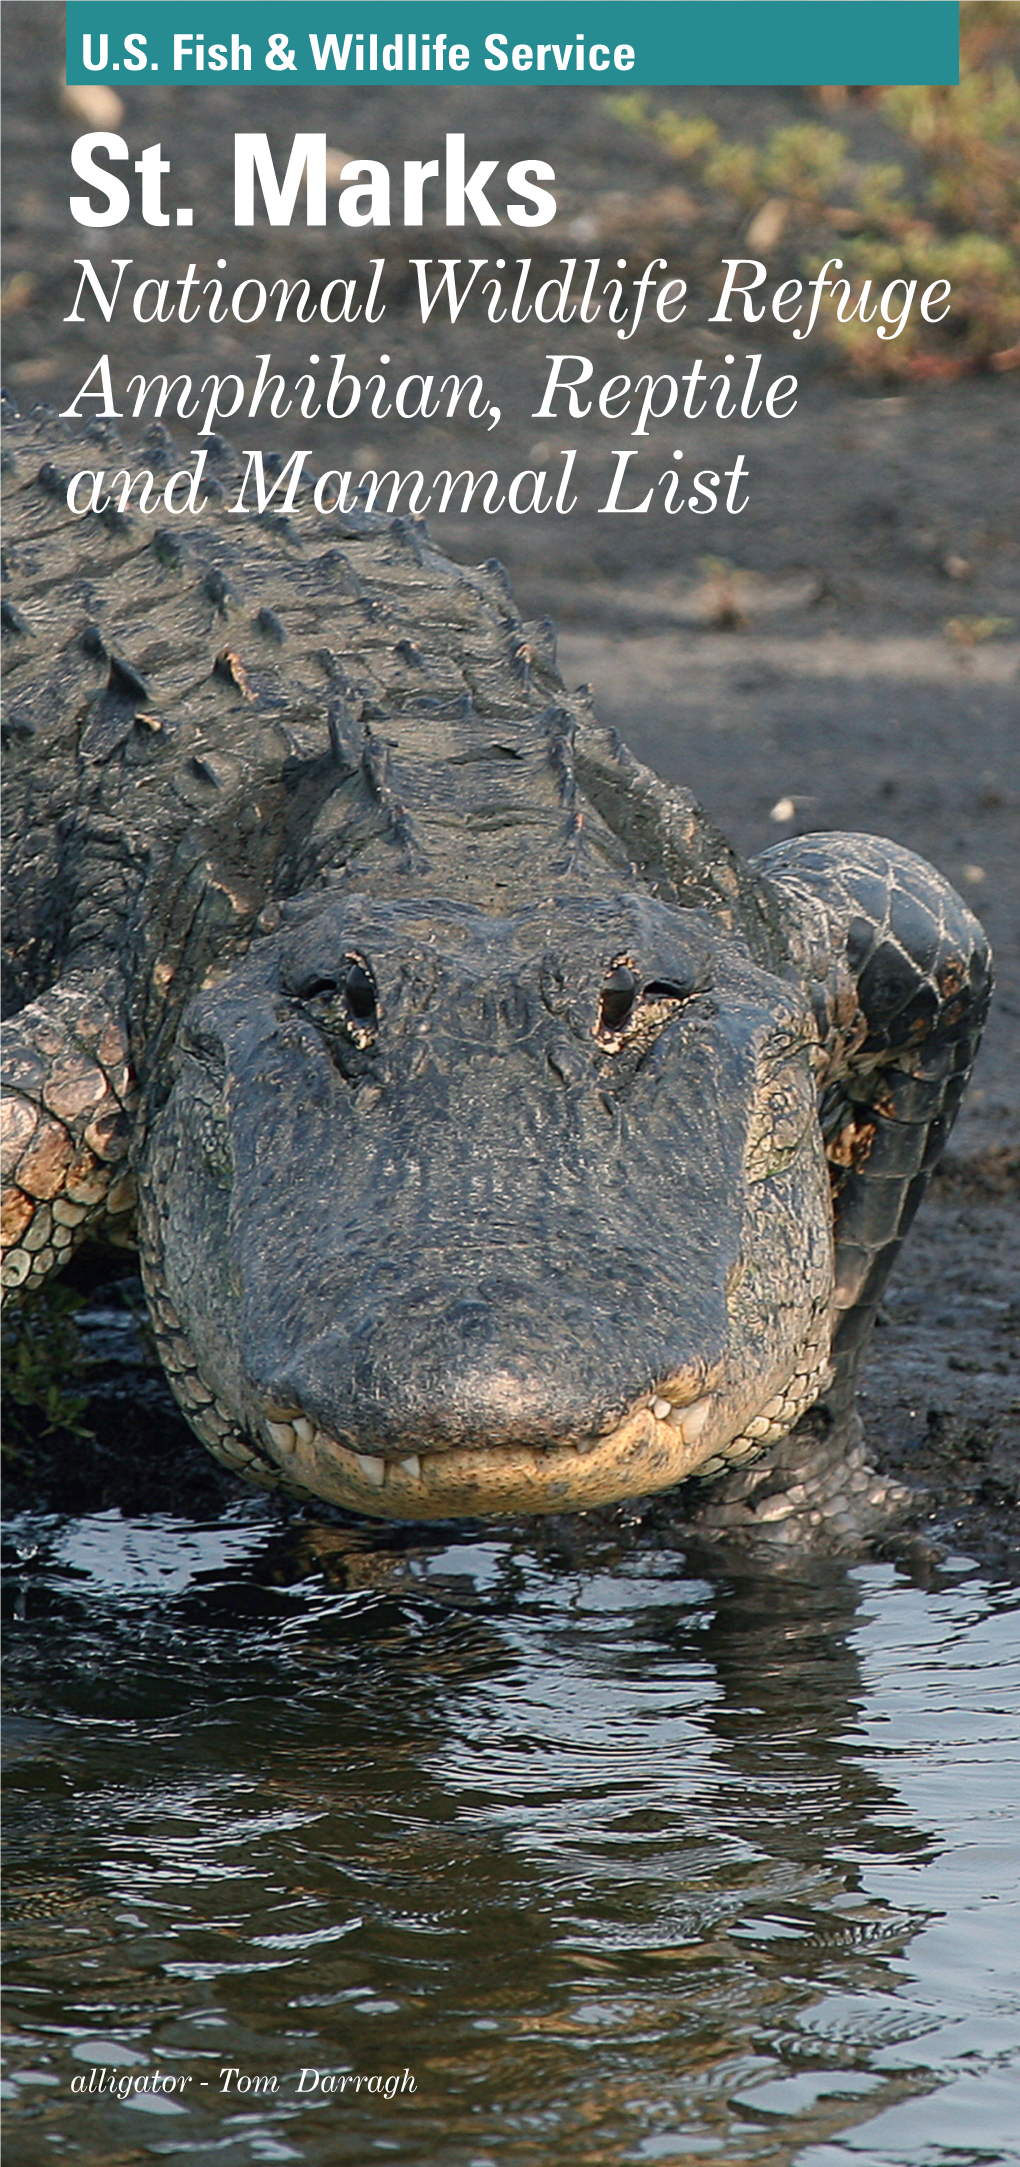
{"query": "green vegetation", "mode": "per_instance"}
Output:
(43, 1363)
(949, 210)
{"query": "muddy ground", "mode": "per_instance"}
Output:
(821, 660)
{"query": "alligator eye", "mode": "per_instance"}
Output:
(619, 994)
(359, 992)
(629, 1009)
(348, 1001)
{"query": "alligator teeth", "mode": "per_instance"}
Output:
(283, 1435)
(303, 1430)
(411, 1466)
(692, 1419)
(662, 1409)
(373, 1469)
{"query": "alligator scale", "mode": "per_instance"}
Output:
(497, 1139)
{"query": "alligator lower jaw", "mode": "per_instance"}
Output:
(657, 1446)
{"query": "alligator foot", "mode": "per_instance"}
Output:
(816, 1490)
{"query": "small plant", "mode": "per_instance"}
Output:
(950, 210)
(43, 1361)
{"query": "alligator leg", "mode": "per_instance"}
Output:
(68, 1096)
(901, 1005)
(900, 975)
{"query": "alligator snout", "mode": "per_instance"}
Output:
(460, 1409)
(431, 1375)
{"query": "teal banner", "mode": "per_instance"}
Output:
(608, 42)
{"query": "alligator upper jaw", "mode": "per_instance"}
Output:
(657, 1445)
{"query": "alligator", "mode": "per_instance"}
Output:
(495, 1137)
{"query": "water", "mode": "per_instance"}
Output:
(567, 1851)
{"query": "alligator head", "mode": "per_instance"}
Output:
(467, 1213)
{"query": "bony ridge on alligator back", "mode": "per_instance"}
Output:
(498, 1140)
